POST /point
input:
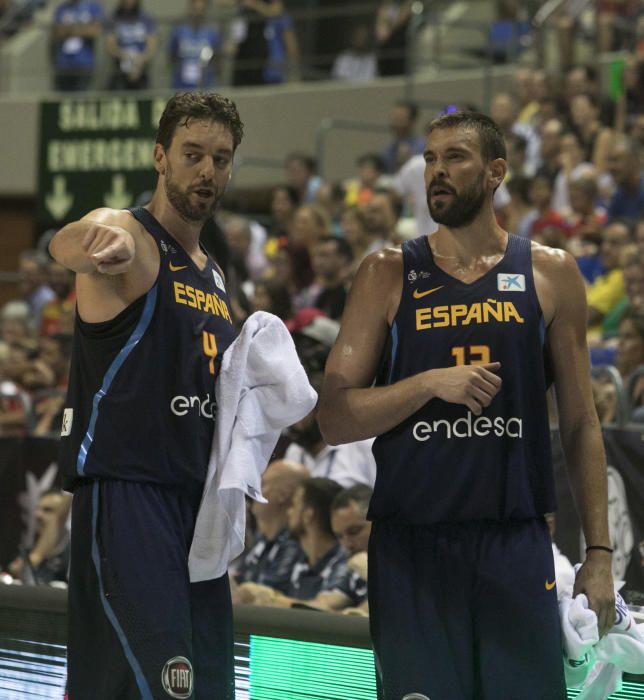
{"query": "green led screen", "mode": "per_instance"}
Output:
(286, 669)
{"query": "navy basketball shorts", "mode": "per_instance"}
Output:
(138, 629)
(465, 611)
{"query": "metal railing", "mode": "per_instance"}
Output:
(321, 33)
(418, 24)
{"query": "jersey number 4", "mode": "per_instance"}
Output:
(210, 349)
(472, 355)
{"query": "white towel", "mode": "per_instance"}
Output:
(262, 388)
(596, 665)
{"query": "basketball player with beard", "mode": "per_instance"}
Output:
(153, 319)
(462, 594)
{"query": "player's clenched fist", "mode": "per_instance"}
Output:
(472, 385)
(110, 248)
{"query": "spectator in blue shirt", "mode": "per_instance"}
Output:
(75, 27)
(624, 164)
(281, 43)
(406, 143)
(192, 48)
(131, 41)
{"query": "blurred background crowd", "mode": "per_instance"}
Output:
(576, 182)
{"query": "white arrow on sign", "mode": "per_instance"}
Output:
(118, 198)
(58, 202)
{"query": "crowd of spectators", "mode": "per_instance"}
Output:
(260, 39)
(575, 182)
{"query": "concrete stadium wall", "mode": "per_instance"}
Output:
(278, 120)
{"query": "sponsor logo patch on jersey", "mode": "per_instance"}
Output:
(68, 419)
(218, 280)
(176, 268)
(510, 282)
(167, 248)
(176, 677)
(468, 427)
(419, 295)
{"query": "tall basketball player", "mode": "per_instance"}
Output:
(153, 319)
(462, 592)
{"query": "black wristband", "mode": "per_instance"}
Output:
(599, 546)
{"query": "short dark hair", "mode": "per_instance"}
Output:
(208, 106)
(360, 494)
(490, 136)
(307, 161)
(628, 224)
(394, 198)
(518, 141)
(373, 159)
(281, 302)
(634, 314)
(342, 246)
(411, 107)
(291, 193)
(318, 493)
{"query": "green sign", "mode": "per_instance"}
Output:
(94, 153)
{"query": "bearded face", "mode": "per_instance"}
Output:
(454, 208)
(193, 204)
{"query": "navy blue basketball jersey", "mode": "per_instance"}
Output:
(141, 398)
(444, 463)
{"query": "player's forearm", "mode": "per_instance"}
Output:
(584, 451)
(66, 247)
(348, 415)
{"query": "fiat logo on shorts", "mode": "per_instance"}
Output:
(176, 677)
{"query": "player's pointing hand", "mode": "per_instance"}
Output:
(110, 248)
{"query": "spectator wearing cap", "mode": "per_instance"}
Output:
(274, 552)
(321, 578)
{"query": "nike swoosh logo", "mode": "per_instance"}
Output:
(420, 295)
(550, 586)
(176, 268)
